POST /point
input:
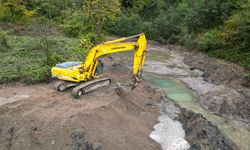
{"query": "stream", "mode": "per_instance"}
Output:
(168, 72)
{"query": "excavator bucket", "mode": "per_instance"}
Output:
(127, 87)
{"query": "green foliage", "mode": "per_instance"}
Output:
(238, 29)
(177, 19)
(211, 40)
(90, 39)
(169, 26)
(91, 19)
(75, 23)
(86, 42)
(200, 15)
(30, 58)
(246, 61)
(34, 73)
(3, 42)
(100, 12)
(147, 9)
(14, 10)
(248, 77)
(49, 9)
(129, 24)
(170, 21)
(232, 41)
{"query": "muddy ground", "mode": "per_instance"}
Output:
(203, 134)
(221, 86)
(38, 117)
(231, 99)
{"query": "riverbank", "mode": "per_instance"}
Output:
(230, 122)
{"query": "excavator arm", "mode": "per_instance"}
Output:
(116, 46)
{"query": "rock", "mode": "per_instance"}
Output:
(216, 71)
(52, 142)
(202, 134)
(169, 134)
(200, 86)
(9, 135)
(163, 68)
(224, 93)
(233, 104)
(80, 142)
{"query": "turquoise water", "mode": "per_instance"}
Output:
(177, 91)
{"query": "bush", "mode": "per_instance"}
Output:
(3, 42)
(129, 24)
(169, 27)
(234, 43)
(238, 29)
(35, 73)
(86, 42)
(248, 77)
(8, 74)
(75, 24)
(202, 15)
(246, 61)
(14, 10)
(211, 40)
(30, 58)
(48, 9)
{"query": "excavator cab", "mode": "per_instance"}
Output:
(99, 68)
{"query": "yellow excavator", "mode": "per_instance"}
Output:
(85, 77)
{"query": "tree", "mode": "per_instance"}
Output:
(200, 15)
(169, 26)
(101, 11)
(147, 9)
(14, 10)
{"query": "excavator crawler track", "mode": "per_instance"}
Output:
(89, 86)
(62, 85)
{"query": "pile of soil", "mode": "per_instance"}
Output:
(232, 99)
(203, 134)
(233, 104)
(217, 71)
(200, 133)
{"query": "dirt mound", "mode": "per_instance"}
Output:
(80, 142)
(216, 71)
(231, 99)
(233, 104)
(125, 104)
(47, 119)
(202, 134)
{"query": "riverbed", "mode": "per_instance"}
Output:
(166, 70)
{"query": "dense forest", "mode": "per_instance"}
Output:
(36, 34)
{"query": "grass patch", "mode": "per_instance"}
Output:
(28, 58)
